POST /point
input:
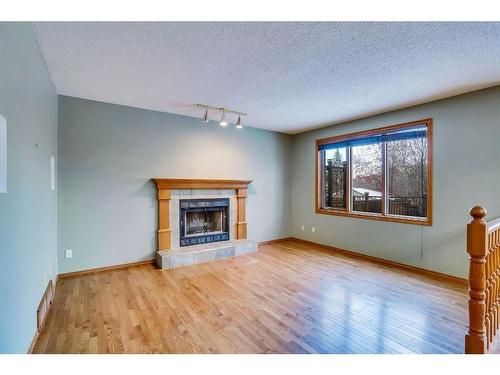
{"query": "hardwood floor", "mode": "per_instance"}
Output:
(289, 297)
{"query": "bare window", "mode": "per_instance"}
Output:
(367, 178)
(407, 177)
(378, 174)
(335, 178)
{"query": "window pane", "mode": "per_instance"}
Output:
(334, 178)
(407, 177)
(367, 178)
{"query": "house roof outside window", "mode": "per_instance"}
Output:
(360, 192)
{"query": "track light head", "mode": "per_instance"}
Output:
(205, 116)
(239, 123)
(224, 111)
(223, 121)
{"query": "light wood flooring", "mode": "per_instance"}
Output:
(289, 297)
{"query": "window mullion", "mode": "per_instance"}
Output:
(385, 202)
(349, 179)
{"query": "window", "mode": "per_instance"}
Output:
(334, 178)
(367, 178)
(382, 174)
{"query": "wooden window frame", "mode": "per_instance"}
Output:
(318, 199)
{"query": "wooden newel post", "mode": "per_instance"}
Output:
(477, 231)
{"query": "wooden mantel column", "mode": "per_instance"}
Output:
(241, 223)
(164, 242)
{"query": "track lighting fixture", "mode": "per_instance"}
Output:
(239, 124)
(223, 121)
(205, 116)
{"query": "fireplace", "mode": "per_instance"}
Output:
(203, 221)
(207, 213)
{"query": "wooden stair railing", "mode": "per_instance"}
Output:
(483, 246)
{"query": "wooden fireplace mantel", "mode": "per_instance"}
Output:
(188, 183)
(164, 187)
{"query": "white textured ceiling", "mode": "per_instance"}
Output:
(288, 77)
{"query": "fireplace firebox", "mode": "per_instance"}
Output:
(203, 221)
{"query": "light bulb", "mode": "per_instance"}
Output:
(205, 116)
(223, 121)
(239, 123)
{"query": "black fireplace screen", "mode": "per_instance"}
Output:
(203, 221)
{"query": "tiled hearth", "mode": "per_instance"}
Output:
(185, 256)
(173, 249)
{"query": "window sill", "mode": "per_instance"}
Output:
(372, 216)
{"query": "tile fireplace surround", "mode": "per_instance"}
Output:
(171, 191)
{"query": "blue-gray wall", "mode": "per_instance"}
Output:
(28, 211)
(109, 153)
(466, 172)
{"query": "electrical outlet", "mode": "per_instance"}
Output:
(313, 230)
(68, 254)
(302, 228)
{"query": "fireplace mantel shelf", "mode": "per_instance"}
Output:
(188, 183)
